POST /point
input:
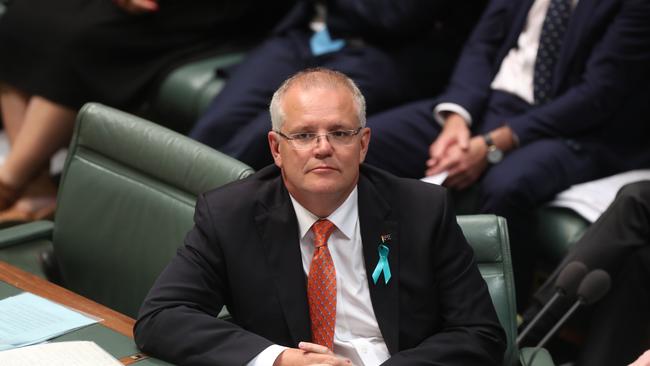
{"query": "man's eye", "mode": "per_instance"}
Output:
(339, 133)
(302, 136)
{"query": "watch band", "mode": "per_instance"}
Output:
(494, 154)
(488, 140)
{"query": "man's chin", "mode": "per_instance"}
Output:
(323, 189)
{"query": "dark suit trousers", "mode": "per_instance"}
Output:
(619, 243)
(527, 177)
(237, 121)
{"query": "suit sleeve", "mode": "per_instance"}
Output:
(178, 319)
(470, 332)
(469, 86)
(617, 67)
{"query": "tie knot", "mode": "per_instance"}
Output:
(322, 230)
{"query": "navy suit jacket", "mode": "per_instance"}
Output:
(601, 84)
(244, 252)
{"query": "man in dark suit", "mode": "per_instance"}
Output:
(539, 100)
(320, 259)
(396, 51)
(618, 326)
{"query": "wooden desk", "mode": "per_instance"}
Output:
(112, 320)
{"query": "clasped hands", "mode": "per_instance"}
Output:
(310, 354)
(455, 151)
(137, 6)
(462, 156)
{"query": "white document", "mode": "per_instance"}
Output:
(591, 199)
(436, 179)
(78, 353)
(28, 319)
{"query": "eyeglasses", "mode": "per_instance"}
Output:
(308, 140)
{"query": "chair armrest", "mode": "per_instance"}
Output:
(542, 357)
(26, 232)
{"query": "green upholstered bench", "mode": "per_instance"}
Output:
(125, 202)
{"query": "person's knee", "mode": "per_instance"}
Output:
(636, 192)
(504, 197)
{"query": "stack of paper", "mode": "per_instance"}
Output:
(28, 319)
(591, 199)
(80, 353)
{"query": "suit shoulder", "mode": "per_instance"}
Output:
(400, 188)
(381, 177)
(244, 191)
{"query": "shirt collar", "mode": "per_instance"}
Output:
(344, 217)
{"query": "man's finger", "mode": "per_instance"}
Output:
(150, 5)
(441, 166)
(463, 141)
(313, 347)
(440, 146)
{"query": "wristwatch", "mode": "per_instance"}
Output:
(494, 154)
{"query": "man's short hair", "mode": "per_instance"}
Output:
(312, 78)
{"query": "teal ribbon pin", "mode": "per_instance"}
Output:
(382, 265)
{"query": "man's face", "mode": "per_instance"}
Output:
(324, 168)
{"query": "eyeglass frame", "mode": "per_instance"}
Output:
(316, 137)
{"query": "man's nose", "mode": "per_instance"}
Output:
(323, 144)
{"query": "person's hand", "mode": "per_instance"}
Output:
(466, 166)
(643, 360)
(310, 354)
(137, 6)
(454, 133)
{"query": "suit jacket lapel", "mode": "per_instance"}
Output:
(375, 221)
(278, 227)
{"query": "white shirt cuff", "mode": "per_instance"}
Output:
(441, 108)
(267, 357)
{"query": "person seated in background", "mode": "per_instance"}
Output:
(619, 243)
(396, 51)
(546, 94)
(57, 55)
(321, 259)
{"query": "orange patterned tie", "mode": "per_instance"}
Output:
(321, 287)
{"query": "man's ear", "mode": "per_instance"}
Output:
(274, 146)
(364, 141)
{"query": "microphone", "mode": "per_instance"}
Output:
(592, 288)
(566, 285)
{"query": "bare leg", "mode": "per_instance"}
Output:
(13, 105)
(36, 130)
(45, 129)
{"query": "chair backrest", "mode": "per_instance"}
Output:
(126, 201)
(488, 236)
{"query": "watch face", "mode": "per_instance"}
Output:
(494, 155)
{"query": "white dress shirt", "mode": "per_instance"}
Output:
(356, 334)
(515, 75)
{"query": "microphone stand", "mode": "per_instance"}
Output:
(537, 317)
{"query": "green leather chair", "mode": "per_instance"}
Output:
(126, 200)
(488, 236)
